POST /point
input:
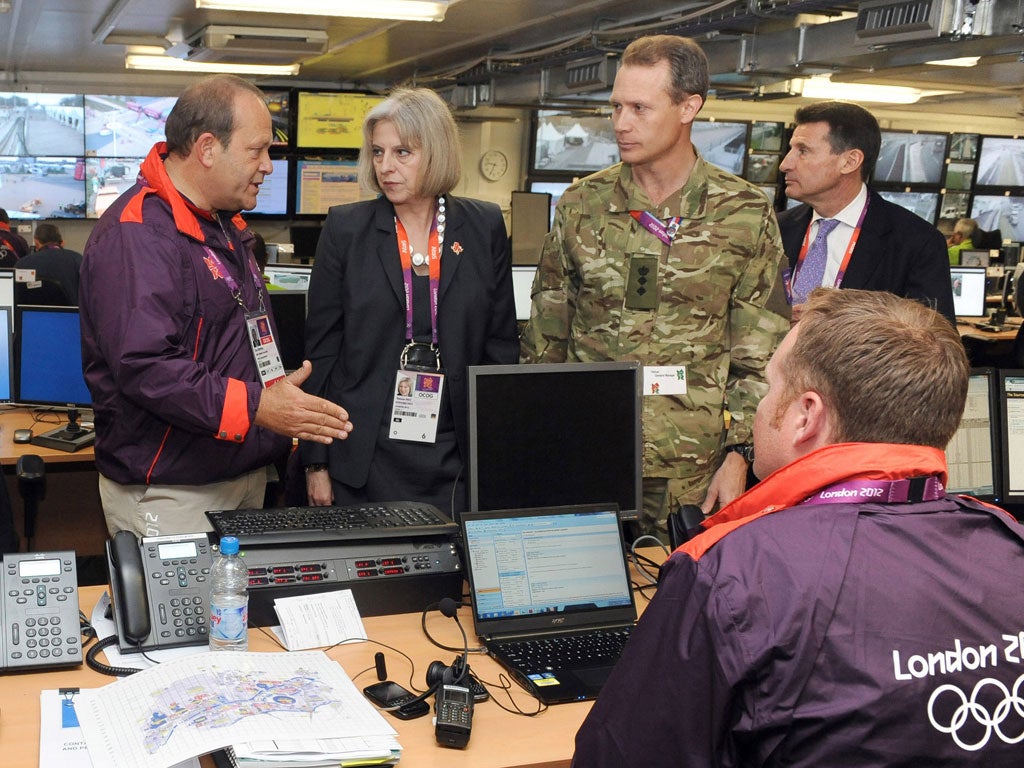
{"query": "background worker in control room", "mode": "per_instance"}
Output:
(845, 611)
(186, 419)
(667, 260)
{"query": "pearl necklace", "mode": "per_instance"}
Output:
(419, 259)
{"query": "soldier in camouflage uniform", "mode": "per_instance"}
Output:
(609, 288)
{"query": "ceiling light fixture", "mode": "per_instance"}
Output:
(403, 10)
(153, 58)
(822, 87)
(962, 61)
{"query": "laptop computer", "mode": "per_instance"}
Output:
(552, 575)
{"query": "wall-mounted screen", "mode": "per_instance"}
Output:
(125, 126)
(722, 144)
(319, 184)
(331, 120)
(955, 205)
(1002, 212)
(272, 199)
(535, 442)
(963, 146)
(972, 456)
(1001, 162)
(43, 187)
(968, 291)
(763, 168)
(34, 124)
(911, 158)
(279, 104)
(106, 178)
(569, 141)
(1011, 409)
(770, 192)
(48, 351)
(766, 136)
(924, 204)
(959, 175)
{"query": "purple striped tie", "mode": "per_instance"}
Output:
(812, 271)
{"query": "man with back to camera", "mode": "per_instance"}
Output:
(12, 245)
(186, 420)
(868, 242)
(53, 262)
(845, 611)
(668, 260)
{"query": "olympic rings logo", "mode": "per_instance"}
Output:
(994, 721)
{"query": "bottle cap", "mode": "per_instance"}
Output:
(229, 545)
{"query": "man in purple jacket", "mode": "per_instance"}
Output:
(845, 611)
(190, 407)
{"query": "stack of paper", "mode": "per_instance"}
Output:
(355, 750)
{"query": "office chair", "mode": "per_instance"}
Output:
(31, 472)
(49, 293)
(987, 240)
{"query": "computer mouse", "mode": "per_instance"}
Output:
(23, 435)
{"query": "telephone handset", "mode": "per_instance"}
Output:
(160, 590)
(39, 611)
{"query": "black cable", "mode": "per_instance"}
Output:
(435, 643)
(106, 669)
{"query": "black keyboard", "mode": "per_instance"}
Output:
(292, 525)
(591, 649)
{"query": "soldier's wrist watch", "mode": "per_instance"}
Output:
(746, 450)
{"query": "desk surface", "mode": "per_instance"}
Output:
(25, 418)
(544, 741)
(967, 329)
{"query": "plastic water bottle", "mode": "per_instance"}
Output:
(229, 599)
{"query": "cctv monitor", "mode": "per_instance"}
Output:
(34, 124)
(722, 144)
(968, 291)
(1000, 162)
(924, 204)
(549, 435)
(272, 199)
(48, 355)
(287, 277)
(910, 157)
(42, 187)
(125, 126)
(972, 456)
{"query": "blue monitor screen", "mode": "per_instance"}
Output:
(49, 357)
(5, 354)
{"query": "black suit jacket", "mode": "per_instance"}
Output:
(898, 251)
(355, 330)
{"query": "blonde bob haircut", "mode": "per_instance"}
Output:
(424, 123)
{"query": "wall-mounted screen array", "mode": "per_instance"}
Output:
(924, 204)
(319, 184)
(125, 126)
(33, 124)
(907, 157)
(1000, 162)
(331, 119)
(1002, 212)
(722, 144)
(42, 187)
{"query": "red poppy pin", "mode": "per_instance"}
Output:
(456, 247)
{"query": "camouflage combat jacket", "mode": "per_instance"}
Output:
(712, 285)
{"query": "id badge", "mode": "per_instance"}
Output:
(664, 380)
(417, 405)
(264, 348)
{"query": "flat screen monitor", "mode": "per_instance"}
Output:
(522, 287)
(907, 157)
(959, 175)
(125, 126)
(553, 188)
(33, 124)
(331, 119)
(968, 291)
(531, 220)
(6, 354)
(304, 241)
(572, 141)
(975, 257)
(279, 104)
(287, 277)
(319, 184)
(722, 144)
(106, 179)
(766, 136)
(42, 187)
(1000, 162)
(554, 434)
(763, 168)
(963, 146)
(48, 355)
(972, 456)
(1002, 212)
(289, 308)
(272, 199)
(1011, 408)
(924, 204)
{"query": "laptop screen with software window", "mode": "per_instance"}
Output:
(968, 291)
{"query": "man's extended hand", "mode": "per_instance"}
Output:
(284, 408)
(727, 483)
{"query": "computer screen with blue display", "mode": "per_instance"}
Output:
(48, 352)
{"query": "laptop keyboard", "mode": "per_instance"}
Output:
(567, 651)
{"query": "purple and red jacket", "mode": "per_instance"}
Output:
(164, 343)
(827, 634)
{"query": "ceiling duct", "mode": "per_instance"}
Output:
(589, 74)
(880, 22)
(246, 45)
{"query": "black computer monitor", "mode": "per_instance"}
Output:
(48, 357)
(289, 308)
(972, 456)
(555, 434)
(1011, 411)
(968, 291)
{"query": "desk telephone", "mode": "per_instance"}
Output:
(39, 611)
(160, 590)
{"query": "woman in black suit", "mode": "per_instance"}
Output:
(448, 258)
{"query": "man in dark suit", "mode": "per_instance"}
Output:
(869, 243)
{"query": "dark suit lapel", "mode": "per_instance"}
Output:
(868, 256)
(387, 248)
(454, 247)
